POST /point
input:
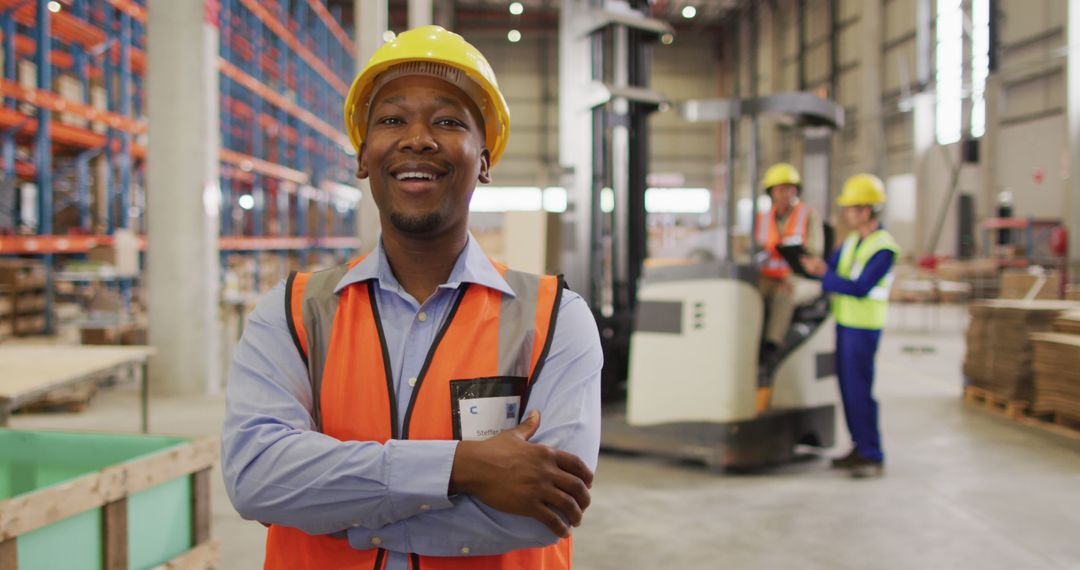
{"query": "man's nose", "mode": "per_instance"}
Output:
(419, 138)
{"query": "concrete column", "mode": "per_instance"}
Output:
(926, 181)
(372, 21)
(421, 13)
(184, 196)
(871, 127)
(988, 150)
(1072, 89)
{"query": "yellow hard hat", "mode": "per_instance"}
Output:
(862, 190)
(781, 173)
(432, 45)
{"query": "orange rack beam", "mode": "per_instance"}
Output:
(54, 102)
(276, 99)
(36, 245)
(66, 27)
(280, 30)
(132, 9)
(335, 28)
(62, 135)
(251, 164)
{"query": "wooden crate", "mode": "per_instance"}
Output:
(86, 501)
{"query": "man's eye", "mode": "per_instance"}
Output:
(449, 123)
(390, 121)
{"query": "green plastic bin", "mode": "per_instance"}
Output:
(89, 501)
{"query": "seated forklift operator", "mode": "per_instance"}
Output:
(788, 222)
(364, 400)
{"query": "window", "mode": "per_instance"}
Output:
(950, 70)
(980, 64)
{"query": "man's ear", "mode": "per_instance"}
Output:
(485, 167)
(361, 167)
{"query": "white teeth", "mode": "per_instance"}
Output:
(414, 175)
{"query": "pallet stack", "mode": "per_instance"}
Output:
(1000, 351)
(22, 297)
(1057, 376)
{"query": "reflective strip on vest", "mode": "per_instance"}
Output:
(487, 336)
(870, 312)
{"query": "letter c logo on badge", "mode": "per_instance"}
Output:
(472, 410)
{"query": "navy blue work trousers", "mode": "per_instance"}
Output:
(855, 352)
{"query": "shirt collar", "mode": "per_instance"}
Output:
(472, 266)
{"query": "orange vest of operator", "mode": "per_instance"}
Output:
(770, 236)
(491, 341)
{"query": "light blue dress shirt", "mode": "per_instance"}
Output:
(278, 470)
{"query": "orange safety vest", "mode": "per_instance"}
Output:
(769, 236)
(490, 342)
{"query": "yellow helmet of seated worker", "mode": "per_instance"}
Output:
(781, 173)
(862, 190)
(433, 51)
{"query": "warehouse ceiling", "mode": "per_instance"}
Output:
(706, 13)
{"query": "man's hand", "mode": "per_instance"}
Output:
(814, 265)
(512, 475)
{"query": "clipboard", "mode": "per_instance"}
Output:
(793, 255)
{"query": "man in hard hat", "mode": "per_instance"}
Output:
(422, 406)
(788, 222)
(859, 276)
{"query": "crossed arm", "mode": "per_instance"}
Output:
(521, 489)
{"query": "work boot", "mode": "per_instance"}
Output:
(862, 468)
(846, 461)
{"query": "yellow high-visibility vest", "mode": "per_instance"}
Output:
(872, 311)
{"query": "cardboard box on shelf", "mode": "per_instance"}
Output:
(122, 254)
(1022, 284)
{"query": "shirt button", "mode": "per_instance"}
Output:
(465, 550)
(425, 507)
(422, 316)
(376, 540)
(412, 381)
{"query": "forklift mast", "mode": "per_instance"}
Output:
(605, 54)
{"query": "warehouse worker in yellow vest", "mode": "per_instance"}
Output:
(420, 406)
(788, 222)
(860, 276)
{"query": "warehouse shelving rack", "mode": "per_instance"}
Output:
(284, 66)
(284, 71)
(49, 137)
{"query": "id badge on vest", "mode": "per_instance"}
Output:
(482, 408)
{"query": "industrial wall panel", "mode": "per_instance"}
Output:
(850, 44)
(1028, 149)
(1024, 18)
(1034, 97)
(899, 19)
(898, 66)
(850, 9)
(850, 87)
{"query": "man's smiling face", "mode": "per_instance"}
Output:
(424, 152)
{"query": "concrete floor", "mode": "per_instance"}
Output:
(964, 489)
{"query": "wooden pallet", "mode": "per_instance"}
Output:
(1020, 412)
(69, 399)
(988, 400)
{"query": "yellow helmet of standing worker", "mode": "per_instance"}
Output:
(434, 51)
(781, 173)
(862, 190)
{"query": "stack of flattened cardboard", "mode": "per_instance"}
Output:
(1057, 376)
(1000, 352)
